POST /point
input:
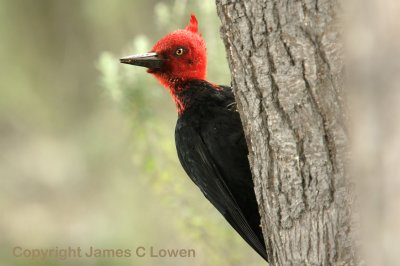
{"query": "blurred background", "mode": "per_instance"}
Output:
(87, 144)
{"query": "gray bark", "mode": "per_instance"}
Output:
(285, 59)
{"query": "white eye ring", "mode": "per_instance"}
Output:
(179, 51)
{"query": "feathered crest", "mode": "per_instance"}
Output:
(193, 24)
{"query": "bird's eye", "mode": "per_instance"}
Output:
(179, 51)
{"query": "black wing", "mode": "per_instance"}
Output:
(198, 162)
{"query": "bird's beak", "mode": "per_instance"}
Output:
(149, 60)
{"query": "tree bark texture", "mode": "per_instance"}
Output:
(285, 59)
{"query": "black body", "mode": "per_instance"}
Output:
(212, 149)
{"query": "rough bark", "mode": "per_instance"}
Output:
(286, 64)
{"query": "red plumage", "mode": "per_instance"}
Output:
(192, 64)
(193, 24)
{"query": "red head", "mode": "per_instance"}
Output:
(177, 57)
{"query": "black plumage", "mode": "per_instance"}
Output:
(209, 134)
(212, 149)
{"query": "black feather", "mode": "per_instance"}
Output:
(212, 149)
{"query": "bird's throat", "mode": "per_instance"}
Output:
(176, 87)
(177, 91)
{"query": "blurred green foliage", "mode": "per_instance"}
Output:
(83, 166)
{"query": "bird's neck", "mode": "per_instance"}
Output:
(178, 88)
(193, 94)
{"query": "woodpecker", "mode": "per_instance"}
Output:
(209, 135)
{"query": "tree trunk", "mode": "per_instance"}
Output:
(286, 64)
